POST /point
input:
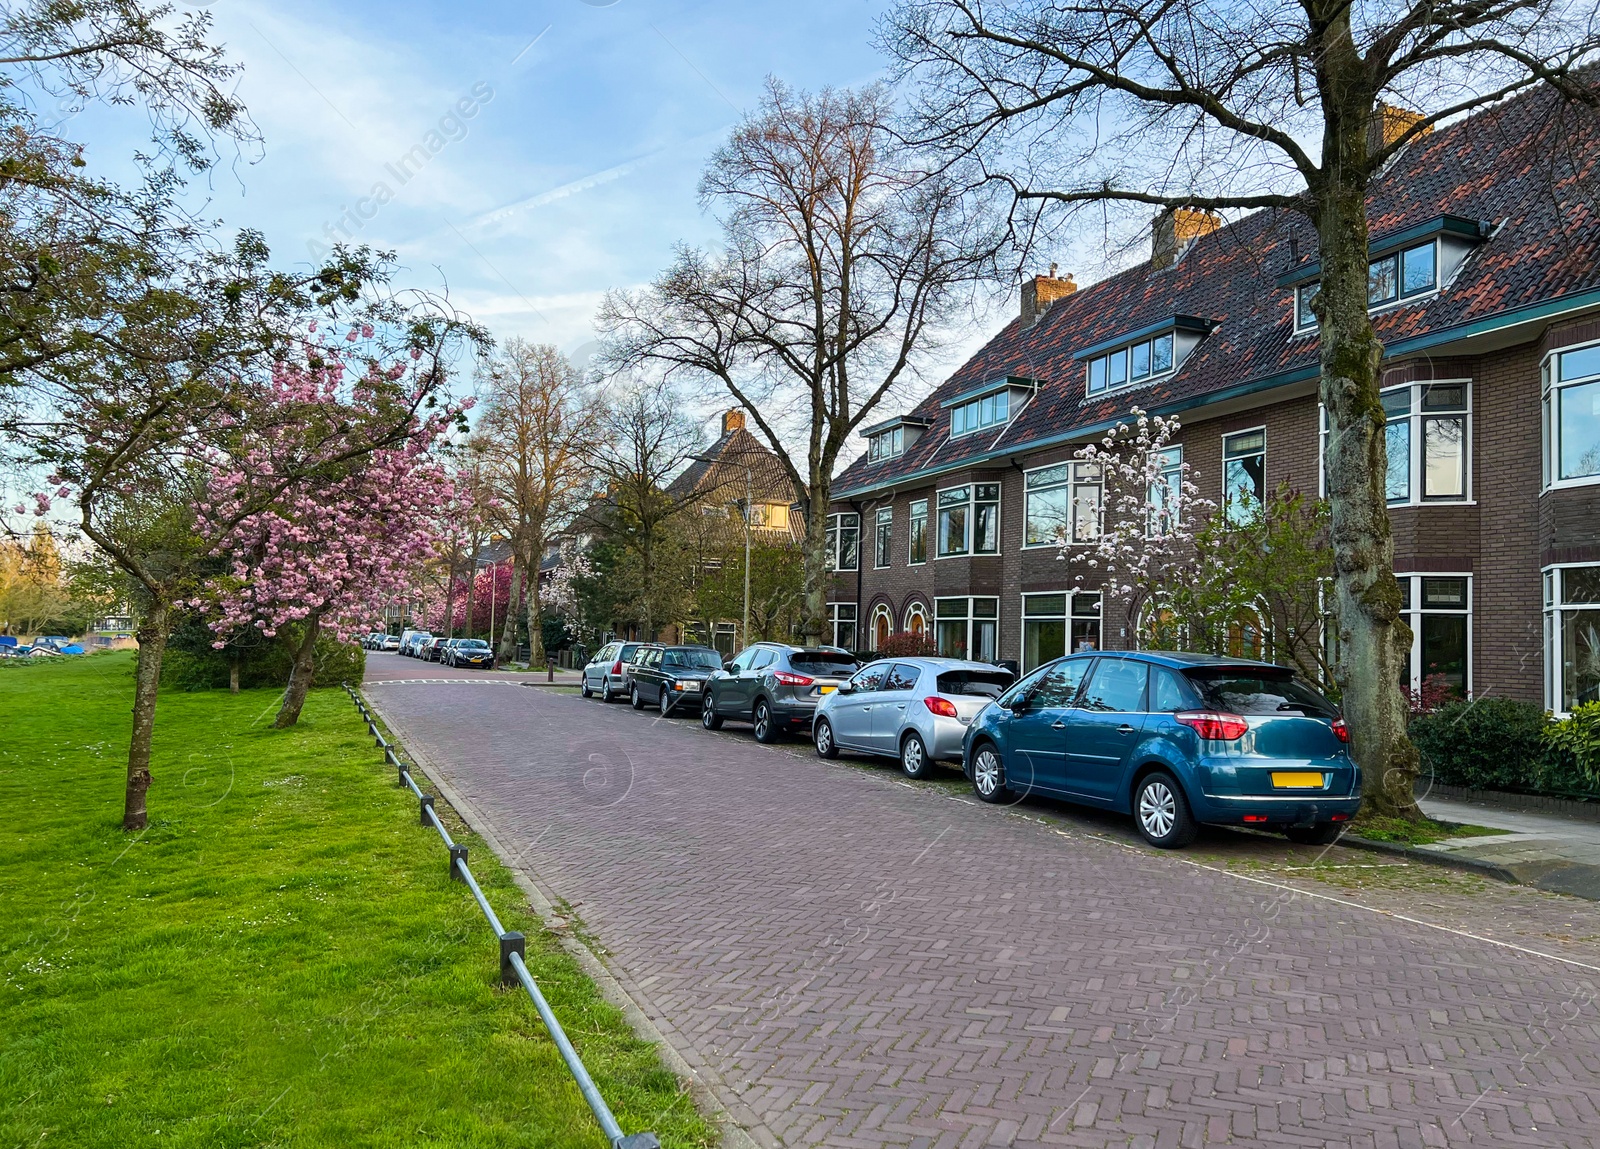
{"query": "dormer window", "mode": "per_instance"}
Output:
(1141, 356)
(989, 406)
(890, 439)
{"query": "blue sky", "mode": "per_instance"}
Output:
(574, 167)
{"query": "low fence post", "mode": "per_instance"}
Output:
(458, 853)
(426, 808)
(511, 942)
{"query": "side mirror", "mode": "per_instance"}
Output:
(847, 688)
(1018, 704)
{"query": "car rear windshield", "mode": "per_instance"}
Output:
(823, 662)
(1249, 691)
(983, 683)
(709, 659)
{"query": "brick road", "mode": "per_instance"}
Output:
(856, 961)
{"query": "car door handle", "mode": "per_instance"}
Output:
(1058, 725)
(899, 705)
(1124, 729)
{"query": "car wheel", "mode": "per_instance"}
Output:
(1322, 834)
(583, 687)
(709, 718)
(914, 758)
(665, 702)
(989, 774)
(605, 689)
(761, 718)
(1162, 812)
(633, 697)
(822, 736)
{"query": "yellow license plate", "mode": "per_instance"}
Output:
(826, 689)
(1297, 780)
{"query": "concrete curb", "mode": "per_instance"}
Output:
(1431, 857)
(741, 1127)
(1555, 875)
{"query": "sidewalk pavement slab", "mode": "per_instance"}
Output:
(1544, 850)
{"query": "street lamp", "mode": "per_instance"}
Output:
(749, 484)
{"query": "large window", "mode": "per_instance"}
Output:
(1058, 624)
(844, 541)
(842, 624)
(883, 537)
(1062, 503)
(886, 445)
(1390, 278)
(967, 627)
(969, 520)
(1427, 442)
(1244, 474)
(918, 550)
(1438, 609)
(988, 411)
(916, 619)
(1572, 636)
(1572, 416)
(1135, 363)
(1166, 493)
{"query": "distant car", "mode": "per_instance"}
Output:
(775, 687)
(913, 709)
(411, 642)
(433, 649)
(1176, 740)
(468, 652)
(671, 677)
(389, 642)
(374, 641)
(40, 651)
(604, 673)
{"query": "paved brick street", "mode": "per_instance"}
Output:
(852, 960)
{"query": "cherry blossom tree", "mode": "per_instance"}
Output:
(1133, 532)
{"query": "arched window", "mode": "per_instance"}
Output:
(916, 620)
(882, 626)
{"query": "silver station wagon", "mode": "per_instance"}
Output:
(913, 709)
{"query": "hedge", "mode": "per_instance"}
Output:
(1501, 744)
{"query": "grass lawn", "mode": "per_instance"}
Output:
(281, 958)
(1423, 833)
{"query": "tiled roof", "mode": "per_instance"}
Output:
(725, 478)
(1517, 163)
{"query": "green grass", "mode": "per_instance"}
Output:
(281, 958)
(1422, 833)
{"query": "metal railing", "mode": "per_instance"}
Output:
(513, 947)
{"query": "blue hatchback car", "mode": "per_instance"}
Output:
(1176, 740)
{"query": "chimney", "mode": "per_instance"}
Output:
(1041, 291)
(1387, 124)
(1174, 230)
(732, 421)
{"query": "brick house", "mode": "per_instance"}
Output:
(1486, 293)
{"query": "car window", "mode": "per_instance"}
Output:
(1058, 686)
(1117, 686)
(981, 683)
(871, 678)
(709, 659)
(604, 653)
(1167, 692)
(1242, 690)
(902, 676)
(1024, 685)
(764, 658)
(823, 662)
(743, 661)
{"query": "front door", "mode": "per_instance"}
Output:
(852, 713)
(1036, 738)
(1105, 727)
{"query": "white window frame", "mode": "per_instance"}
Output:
(918, 610)
(1418, 447)
(879, 611)
(998, 395)
(1071, 484)
(835, 533)
(1555, 605)
(911, 532)
(1412, 615)
(890, 444)
(1174, 492)
(835, 620)
(1550, 438)
(882, 556)
(971, 524)
(1225, 458)
(1071, 616)
(1126, 349)
(1400, 299)
(971, 619)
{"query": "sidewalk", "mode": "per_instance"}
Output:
(1544, 850)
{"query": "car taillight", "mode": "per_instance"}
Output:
(943, 707)
(1340, 730)
(616, 667)
(1213, 725)
(788, 679)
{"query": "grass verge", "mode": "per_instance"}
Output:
(1423, 833)
(280, 958)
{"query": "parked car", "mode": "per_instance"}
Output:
(1176, 740)
(670, 677)
(374, 641)
(603, 675)
(411, 642)
(468, 652)
(390, 642)
(433, 649)
(913, 709)
(775, 687)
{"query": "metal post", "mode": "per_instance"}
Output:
(513, 942)
(426, 805)
(458, 853)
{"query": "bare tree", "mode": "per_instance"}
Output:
(538, 428)
(1287, 105)
(841, 260)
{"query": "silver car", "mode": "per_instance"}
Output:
(913, 709)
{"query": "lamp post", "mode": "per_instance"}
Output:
(749, 484)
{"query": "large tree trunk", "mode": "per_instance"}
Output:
(1373, 640)
(536, 654)
(814, 592)
(152, 635)
(304, 670)
(508, 633)
(472, 586)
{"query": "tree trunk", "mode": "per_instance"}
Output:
(304, 670)
(448, 623)
(233, 675)
(814, 594)
(472, 586)
(1373, 640)
(152, 635)
(536, 654)
(508, 633)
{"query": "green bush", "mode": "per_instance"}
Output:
(189, 665)
(1503, 744)
(1573, 744)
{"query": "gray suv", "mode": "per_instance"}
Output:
(775, 687)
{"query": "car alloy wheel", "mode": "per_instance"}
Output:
(914, 757)
(666, 702)
(633, 697)
(709, 718)
(761, 719)
(822, 736)
(584, 688)
(988, 775)
(1161, 812)
(605, 689)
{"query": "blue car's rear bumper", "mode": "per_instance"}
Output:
(1278, 809)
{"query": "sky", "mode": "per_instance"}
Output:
(567, 137)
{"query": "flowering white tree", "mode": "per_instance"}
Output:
(1135, 530)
